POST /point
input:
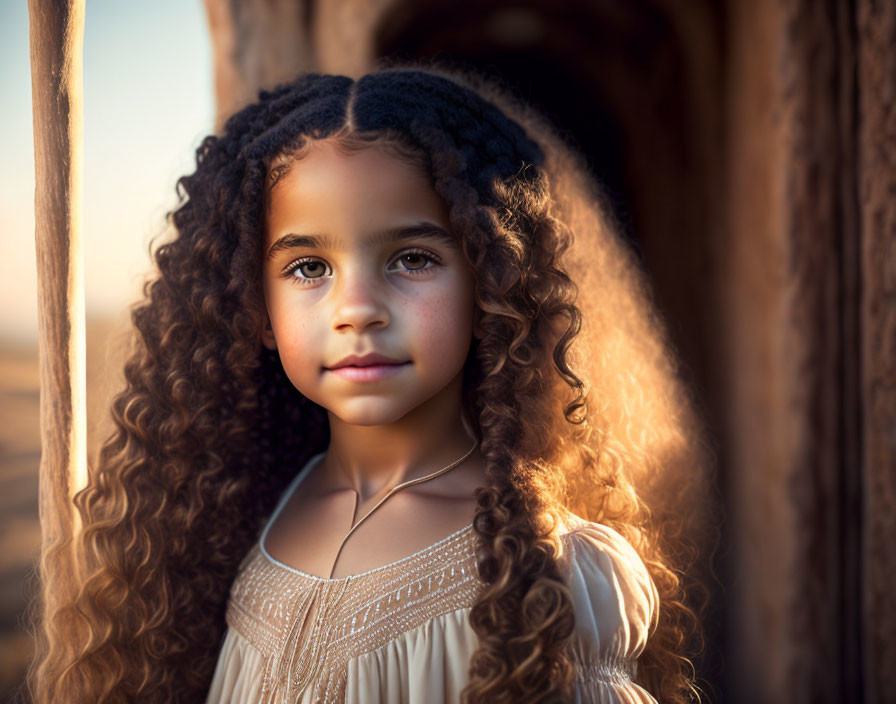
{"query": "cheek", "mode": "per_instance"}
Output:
(298, 359)
(298, 341)
(443, 325)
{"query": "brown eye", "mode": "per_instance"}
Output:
(414, 260)
(308, 269)
(312, 270)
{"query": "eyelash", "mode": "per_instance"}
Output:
(305, 280)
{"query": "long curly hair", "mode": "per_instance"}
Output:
(571, 410)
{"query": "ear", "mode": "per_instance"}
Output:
(267, 335)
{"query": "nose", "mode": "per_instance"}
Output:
(360, 304)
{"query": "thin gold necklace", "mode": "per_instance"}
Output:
(392, 491)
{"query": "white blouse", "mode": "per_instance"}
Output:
(400, 633)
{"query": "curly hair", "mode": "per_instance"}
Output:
(570, 409)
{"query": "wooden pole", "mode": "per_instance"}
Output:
(256, 44)
(876, 25)
(57, 35)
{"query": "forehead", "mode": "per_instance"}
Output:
(331, 191)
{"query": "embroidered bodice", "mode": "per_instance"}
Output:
(400, 632)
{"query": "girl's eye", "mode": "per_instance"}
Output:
(308, 268)
(414, 261)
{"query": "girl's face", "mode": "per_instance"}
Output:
(359, 260)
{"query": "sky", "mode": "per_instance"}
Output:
(148, 102)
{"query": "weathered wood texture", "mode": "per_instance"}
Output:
(56, 33)
(808, 286)
(819, 229)
(876, 29)
(256, 44)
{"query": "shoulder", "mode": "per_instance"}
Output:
(615, 600)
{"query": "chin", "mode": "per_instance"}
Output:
(370, 414)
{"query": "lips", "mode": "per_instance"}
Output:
(369, 367)
(368, 360)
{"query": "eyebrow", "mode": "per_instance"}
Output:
(424, 230)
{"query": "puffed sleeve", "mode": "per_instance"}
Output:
(616, 604)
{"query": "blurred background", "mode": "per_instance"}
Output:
(747, 150)
(148, 101)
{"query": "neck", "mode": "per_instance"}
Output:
(371, 459)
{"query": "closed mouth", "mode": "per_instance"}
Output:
(367, 360)
(367, 373)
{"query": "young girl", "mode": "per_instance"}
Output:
(355, 459)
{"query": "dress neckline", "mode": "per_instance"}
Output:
(287, 494)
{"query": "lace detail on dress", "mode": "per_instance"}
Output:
(620, 672)
(308, 628)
